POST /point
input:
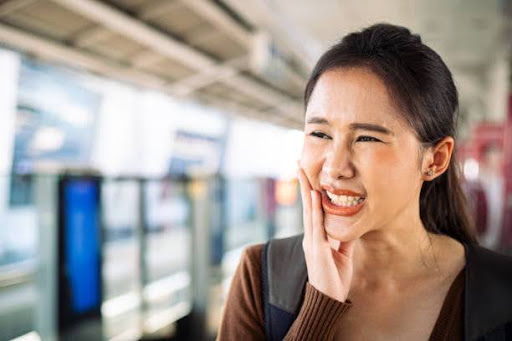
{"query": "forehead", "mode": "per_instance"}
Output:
(353, 95)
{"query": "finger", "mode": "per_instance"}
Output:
(318, 232)
(304, 180)
(305, 189)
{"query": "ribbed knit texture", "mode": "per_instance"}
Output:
(318, 316)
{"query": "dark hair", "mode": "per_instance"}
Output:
(423, 90)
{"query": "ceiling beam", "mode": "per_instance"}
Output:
(221, 20)
(159, 9)
(145, 59)
(264, 94)
(201, 35)
(172, 48)
(10, 6)
(50, 50)
(264, 14)
(56, 52)
(90, 36)
(138, 31)
(186, 86)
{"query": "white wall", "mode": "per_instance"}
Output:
(136, 129)
(259, 149)
(116, 140)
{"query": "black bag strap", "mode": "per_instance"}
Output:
(284, 276)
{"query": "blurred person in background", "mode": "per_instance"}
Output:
(490, 177)
(388, 250)
(477, 204)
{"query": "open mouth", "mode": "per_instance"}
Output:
(342, 205)
(344, 200)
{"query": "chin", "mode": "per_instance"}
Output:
(342, 231)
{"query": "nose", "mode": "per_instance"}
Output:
(338, 164)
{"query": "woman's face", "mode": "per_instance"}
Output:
(356, 141)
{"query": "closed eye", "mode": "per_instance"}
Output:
(320, 135)
(367, 139)
(363, 138)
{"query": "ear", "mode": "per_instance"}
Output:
(437, 158)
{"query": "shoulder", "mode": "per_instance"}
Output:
(485, 262)
(250, 261)
(488, 294)
(252, 253)
(488, 270)
(284, 247)
(243, 311)
(274, 250)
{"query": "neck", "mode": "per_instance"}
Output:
(397, 253)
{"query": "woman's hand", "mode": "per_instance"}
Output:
(329, 271)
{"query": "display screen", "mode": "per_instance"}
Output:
(82, 243)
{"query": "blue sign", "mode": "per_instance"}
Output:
(82, 243)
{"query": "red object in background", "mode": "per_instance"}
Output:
(477, 202)
(483, 135)
(507, 162)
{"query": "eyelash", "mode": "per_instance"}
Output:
(323, 136)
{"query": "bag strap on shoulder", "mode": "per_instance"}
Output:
(284, 276)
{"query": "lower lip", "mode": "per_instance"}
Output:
(330, 208)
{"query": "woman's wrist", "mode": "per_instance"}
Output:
(339, 298)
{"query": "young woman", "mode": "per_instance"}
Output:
(388, 251)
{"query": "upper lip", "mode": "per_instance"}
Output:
(337, 191)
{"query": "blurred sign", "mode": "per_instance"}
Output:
(120, 200)
(166, 204)
(80, 277)
(82, 244)
(195, 154)
(55, 120)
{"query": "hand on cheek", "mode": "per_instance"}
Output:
(329, 271)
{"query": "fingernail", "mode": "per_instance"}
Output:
(312, 193)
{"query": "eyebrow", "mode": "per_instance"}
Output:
(353, 126)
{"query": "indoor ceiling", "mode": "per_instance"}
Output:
(252, 57)
(472, 36)
(188, 48)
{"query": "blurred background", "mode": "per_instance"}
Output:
(145, 143)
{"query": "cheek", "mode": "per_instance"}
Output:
(311, 161)
(393, 174)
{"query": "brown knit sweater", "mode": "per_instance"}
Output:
(243, 316)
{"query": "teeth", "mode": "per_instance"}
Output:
(344, 200)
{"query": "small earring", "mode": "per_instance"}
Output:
(430, 172)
